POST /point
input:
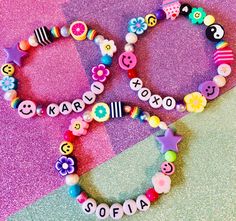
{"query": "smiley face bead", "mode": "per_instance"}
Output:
(7, 69)
(66, 148)
(27, 109)
(151, 20)
(209, 90)
(127, 60)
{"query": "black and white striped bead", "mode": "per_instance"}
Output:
(116, 109)
(43, 36)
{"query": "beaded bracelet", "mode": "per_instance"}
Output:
(223, 57)
(66, 164)
(43, 36)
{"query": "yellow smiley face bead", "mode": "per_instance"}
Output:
(66, 148)
(7, 69)
(151, 20)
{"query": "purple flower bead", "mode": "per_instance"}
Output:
(160, 14)
(65, 165)
(100, 73)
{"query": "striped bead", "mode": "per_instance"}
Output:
(91, 34)
(43, 36)
(55, 31)
(135, 112)
(222, 44)
(116, 109)
(15, 102)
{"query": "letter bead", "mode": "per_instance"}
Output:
(116, 211)
(89, 206)
(136, 84)
(78, 105)
(169, 103)
(97, 87)
(155, 101)
(144, 94)
(65, 108)
(143, 203)
(52, 110)
(102, 211)
(130, 207)
(89, 97)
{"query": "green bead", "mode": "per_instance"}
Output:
(170, 156)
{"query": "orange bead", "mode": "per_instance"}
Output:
(24, 45)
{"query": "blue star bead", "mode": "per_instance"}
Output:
(169, 141)
(14, 55)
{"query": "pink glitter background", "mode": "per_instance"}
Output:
(174, 58)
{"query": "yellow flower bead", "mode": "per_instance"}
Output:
(154, 121)
(195, 102)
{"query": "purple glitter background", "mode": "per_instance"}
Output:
(174, 58)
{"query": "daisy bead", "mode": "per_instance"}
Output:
(131, 38)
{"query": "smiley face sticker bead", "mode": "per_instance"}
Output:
(44, 36)
(160, 183)
(223, 58)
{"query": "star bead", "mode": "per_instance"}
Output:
(14, 55)
(169, 141)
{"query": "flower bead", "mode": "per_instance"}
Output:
(100, 73)
(101, 112)
(197, 15)
(108, 47)
(8, 83)
(195, 102)
(78, 126)
(161, 183)
(65, 165)
(137, 25)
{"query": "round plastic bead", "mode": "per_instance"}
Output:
(116, 211)
(89, 206)
(68, 136)
(99, 39)
(180, 107)
(143, 203)
(129, 47)
(168, 103)
(24, 45)
(97, 87)
(152, 195)
(219, 80)
(82, 197)
(151, 20)
(224, 70)
(40, 110)
(78, 105)
(160, 14)
(52, 110)
(65, 31)
(154, 121)
(136, 84)
(74, 191)
(89, 97)
(106, 60)
(7, 69)
(27, 109)
(102, 211)
(163, 125)
(209, 20)
(144, 116)
(66, 148)
(129, 207)
(65, 108)
(170, 156)
(33, 41)
(87, 116)
(131, 38)
(144, 94)
(132, 73)
(10, 95)
(72, 179)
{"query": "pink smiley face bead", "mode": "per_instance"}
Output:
(27, 109)
(167, 168)
(127, 60)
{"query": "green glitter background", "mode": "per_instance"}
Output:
(203, 187)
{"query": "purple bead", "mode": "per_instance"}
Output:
(160, 14)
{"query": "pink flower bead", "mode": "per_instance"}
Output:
(82, 198)
(68, 136)
(152, 195)
(100, 73)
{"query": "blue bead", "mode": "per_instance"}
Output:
(74, 191)
(160, 14)
(106, 60)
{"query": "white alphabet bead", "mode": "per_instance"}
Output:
(97, 87)
(143, 203)
(65, 108)
(78, 105)
(102, 211)
(136, 84)
(169, 103)
(116, 211)
(89, 97)
(89, 206)
(130, 207)
(144, 94)
(53, 110)
(155, 101)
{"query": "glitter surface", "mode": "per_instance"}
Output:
(203, 186)
(174, 57)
